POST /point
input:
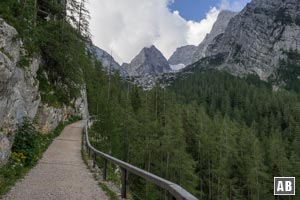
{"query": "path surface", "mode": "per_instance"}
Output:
(61, 174)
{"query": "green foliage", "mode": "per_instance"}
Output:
(20, 14)
(288, 72)
(143, 128)
(46, 31)
(47, 90)
(63, 54)
(217, 135)
(246, 140)
(27, 142)
(23, 62)
(108, 191)
(135, 99)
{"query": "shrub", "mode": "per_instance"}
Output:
(27, 141)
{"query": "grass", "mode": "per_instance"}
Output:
(108, 191)
(17, 166)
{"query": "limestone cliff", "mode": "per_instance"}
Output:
(189, 54)
(19, 93)
(255, 39)
(108, 61)
(218, 28)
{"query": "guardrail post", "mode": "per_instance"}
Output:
(94, 160)
(89, 151)
(85, 142)
(124, 184)
(104, 169)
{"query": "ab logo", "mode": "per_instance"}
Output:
(284, 185)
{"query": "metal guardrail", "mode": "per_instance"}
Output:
(176, 192)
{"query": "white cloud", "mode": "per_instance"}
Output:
(198, 30)
(235, 5)
(125, 27)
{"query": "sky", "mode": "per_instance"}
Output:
(124, 27)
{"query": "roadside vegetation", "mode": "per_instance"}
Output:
(28, 147)
(216, 135)
(56, 37)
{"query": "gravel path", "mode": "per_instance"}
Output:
(61, 173)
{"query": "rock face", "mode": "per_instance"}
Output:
(189, 54)
(48, 118)
(19, 92)
(108, 61)
(150, 61)
(183, 55)
(19, 96)
(218, 28)
(255, 39)
(5, 146)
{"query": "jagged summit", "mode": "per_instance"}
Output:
(218, 28)
(189, 54)
(256, 38)
(150, 61)
(107, 60)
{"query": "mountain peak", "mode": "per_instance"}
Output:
(150, 50)
(189, 54)
(226, 13)
(152, 47)
(255, 39)
(150, 61)
(108, 62)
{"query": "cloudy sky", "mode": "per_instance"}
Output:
(124, 27)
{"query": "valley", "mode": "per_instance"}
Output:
(221, 119)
